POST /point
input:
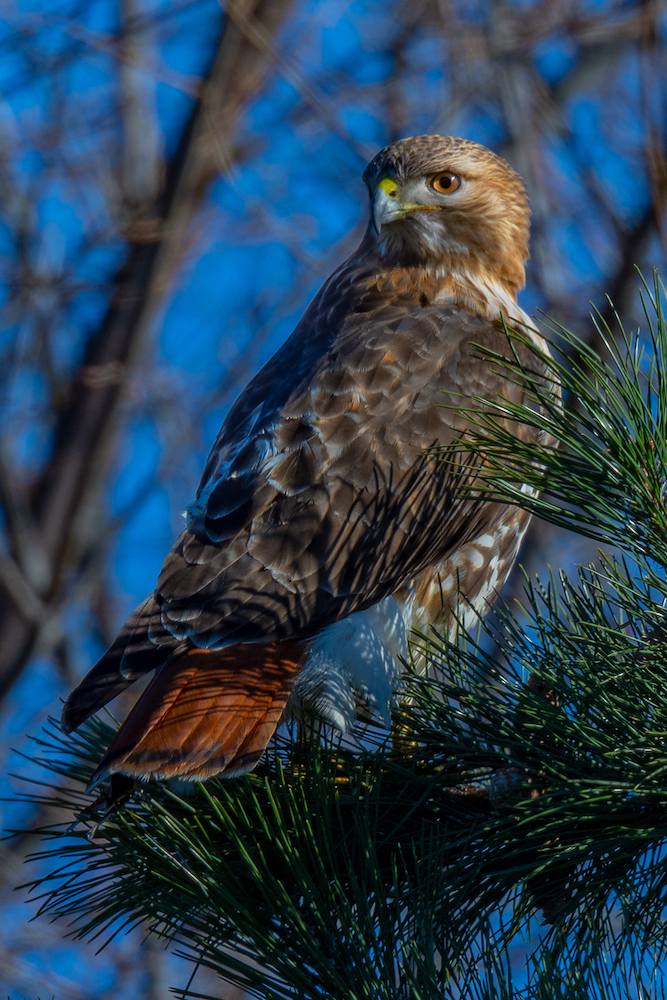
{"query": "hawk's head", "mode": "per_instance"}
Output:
(450, 205)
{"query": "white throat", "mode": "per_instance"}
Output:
(495, 298)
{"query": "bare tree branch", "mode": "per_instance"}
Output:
(64, 497)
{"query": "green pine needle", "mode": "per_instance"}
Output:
(520, 803)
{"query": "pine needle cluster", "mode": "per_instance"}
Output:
(508, 839)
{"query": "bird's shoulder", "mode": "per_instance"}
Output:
(361, 337)
(320, 495)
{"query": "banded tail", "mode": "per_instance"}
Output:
(205, 712)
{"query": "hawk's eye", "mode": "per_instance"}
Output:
(445, 183)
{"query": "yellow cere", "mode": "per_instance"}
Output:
(389, 186)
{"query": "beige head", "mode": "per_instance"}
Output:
(451, 206)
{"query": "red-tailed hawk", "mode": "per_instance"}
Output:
(324, 529)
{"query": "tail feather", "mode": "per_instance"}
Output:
(206, 712)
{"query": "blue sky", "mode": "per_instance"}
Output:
(271, 228)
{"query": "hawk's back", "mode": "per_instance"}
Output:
(327, 524)
(322, 494)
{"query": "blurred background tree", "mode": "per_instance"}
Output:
(177, 179)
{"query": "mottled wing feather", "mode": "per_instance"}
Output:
(319, 497)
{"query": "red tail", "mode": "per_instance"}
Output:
(206, 712)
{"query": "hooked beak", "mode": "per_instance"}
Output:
(387, 206)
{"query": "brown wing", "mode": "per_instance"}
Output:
(319, 497)
(334, 502)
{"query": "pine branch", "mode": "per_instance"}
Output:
(516, 796)
(601, 471)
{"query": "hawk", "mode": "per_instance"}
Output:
(325, 528)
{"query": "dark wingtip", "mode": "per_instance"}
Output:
(98, 687)
(133, 653)
(66, 727)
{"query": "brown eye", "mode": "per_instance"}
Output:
(446, 183)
